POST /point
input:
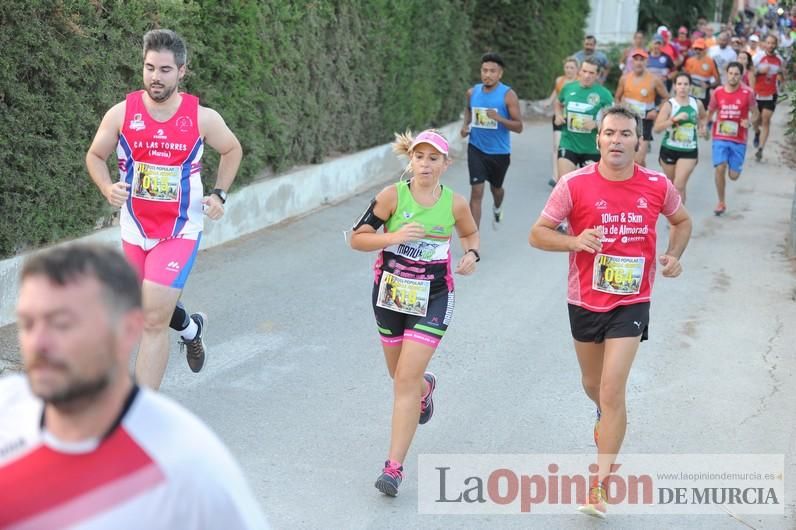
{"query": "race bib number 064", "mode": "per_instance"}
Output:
(617, 274)
(403, 294)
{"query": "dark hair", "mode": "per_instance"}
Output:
(737, 65)
(750, 60)
(492, 57)
(683, 74)
(592, 61)
(590, 37)
(165, 39)
(621, 110)
(68, 263)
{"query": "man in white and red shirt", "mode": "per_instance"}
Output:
(612, 208)
(81, 445)
(732, 110)
(768, 70)
(159, 135)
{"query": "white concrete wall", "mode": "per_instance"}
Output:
(263, 204)
(612, 20)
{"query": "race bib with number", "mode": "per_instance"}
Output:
(481, 120)
(698, 92)
(617, 274)
(403, 294)
(728, 128)
(156, 183)
(639, 107)
(684, 136)
(577, 122)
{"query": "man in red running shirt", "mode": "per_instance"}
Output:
(768, 69)
(612, 207)
(732, 109)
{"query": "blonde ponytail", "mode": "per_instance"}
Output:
(402, 143)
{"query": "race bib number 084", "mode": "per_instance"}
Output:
(617, 274)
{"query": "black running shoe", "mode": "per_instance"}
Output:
(427, 404)
(390, 479)
(195, 348)
(756, 142)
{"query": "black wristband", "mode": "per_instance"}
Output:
(221, 194)
(477, 255)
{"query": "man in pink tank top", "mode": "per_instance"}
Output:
(159, 136)
(612, 208)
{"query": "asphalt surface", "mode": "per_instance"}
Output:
(295, 382)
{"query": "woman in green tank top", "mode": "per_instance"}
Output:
(683, 118)
(413, 289)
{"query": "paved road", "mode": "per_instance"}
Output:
(296, 384)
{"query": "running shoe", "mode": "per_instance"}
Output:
(720, 208)
(497, 217)
(597, 428)
(427, 404)
(195, 348)
(390, 478)
(759, 155)
(597, 505)
(756, 142)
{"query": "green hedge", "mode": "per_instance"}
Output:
(533, 37)
(295, 80)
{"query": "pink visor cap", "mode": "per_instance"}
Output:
(436, 140)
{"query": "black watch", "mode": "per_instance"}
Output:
(221, 194)
(477, 255)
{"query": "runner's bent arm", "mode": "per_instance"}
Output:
(679, 234)
(558, 109)
(663, 122)
(367, 239)
(218, 136)
(620, 88)
(514, 123)
(544, 236)
(468, 113)
(101, 148)
(468, 235)
(702, 119)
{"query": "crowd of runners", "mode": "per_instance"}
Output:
(722, 84)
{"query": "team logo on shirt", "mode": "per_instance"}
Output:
(438, 229)
(407, 215)
(183, 123)
(705, 67)
(644, 92)
(137, 124)
(593, 98)
(601, 205)
(641, 202)
(160, 135)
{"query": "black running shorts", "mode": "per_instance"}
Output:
(646, 128)
(622, 321)
(578, 159)
(395, 327)
(671, 156)
(484, 167)
(768, 104)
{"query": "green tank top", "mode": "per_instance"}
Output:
(438, 220)
(683, 135)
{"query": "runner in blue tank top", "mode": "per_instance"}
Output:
(491, 111)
